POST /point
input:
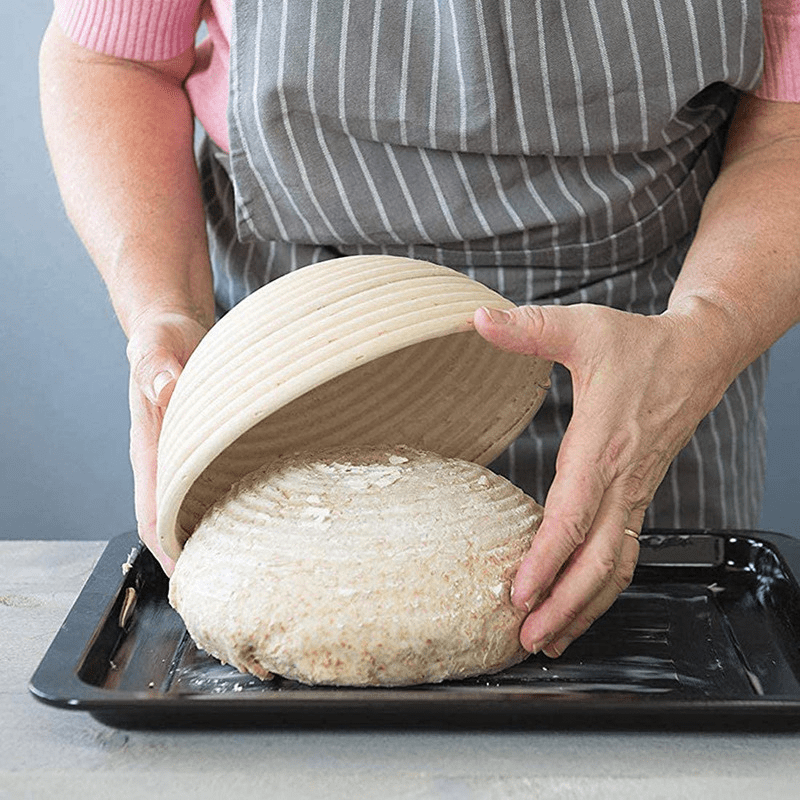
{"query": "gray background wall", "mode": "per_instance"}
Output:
(63, 381)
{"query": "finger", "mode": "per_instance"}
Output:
(601, 602)
(570, 509)
(592, 567)
(563, 530)
(167, 563)
(636, 519)
(549, 332)
(155, 372)
(146, 421)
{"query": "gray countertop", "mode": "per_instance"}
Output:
(46, 752)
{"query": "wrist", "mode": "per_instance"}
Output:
(719, 339)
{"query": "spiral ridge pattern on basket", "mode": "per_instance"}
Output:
(352, 351)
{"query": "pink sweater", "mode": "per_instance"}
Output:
(154, 30)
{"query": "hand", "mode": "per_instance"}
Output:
(641, 385)
(158, 347)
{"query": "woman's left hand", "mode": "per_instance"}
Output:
(641, 385)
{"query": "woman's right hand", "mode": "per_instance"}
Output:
(159, 345)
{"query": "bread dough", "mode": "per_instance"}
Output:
(359, 567)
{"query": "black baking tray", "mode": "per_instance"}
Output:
(707, 635)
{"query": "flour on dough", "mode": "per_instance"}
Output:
(360, 567)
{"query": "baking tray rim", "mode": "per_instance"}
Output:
(56, 681)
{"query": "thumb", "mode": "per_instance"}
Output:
(549, 332)
(155, 372)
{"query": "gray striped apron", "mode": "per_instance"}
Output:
(557, 151)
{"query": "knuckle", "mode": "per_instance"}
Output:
(622, 581)
(141, 364)
(604, 568)
(583, 622)
(574, 529)
(598, 325)
(644, 475)
(532, 319)
(611, 459)
(146, 366)
(623, 577)
(639, 501)
(597, 317)
(572, 521)
(569, 616)
(634, 503)
(639, 497)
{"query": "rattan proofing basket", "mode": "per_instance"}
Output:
(351, 351)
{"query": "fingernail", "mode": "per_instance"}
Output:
(528, 604)
(160, 381)
(557, 648)
(536, 646)
(498, 315)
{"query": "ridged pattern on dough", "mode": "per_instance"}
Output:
(360, 567)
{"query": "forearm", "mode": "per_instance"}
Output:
(120, 139)
(741, 276)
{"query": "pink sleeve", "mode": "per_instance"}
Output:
(145, 30)
(781, 79)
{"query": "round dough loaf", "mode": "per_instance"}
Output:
(359, 567)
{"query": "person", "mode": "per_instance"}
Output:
(623, 172)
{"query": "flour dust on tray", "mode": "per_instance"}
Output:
(359, 567)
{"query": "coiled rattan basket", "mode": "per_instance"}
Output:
(351, 351)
